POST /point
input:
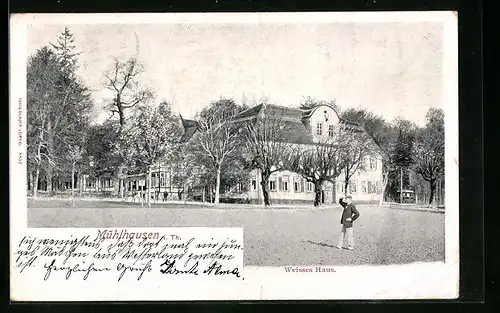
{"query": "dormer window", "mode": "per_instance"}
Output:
(319, 128)
(331, 131)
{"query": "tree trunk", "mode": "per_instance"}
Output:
(203, 197)
(117, 188)
(50, 168)
(81, 184)
(121, 113)
(122, 189)
(31, 184)
(265, 187)
(385, 182)
(39, 161)
(346, 180)
(149, 187)
(317, 193)
(401, 187)
(432, 184)
(73, 185)
(217, 185)
(35, 182)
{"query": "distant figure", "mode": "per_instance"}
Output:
(165, 196)
(349, 215)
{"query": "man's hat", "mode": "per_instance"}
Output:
(349, 197)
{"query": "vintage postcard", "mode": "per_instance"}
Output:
(234, 156)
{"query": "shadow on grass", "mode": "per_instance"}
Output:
(321, 244)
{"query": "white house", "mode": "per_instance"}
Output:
(308, 127)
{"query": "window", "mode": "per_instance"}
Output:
(362, 165)
(372, 187)
(363, 187)
(377, 186)
(254, 184)
(162, 181)
(272, 185)
(373, 163)
(283, 183)
(310, 187)
(352, 187)
(297, 184)
(240, 186)
(331, 131)
(319, 129)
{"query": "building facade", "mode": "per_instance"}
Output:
(307, 128)
(310, 127)
(289, 187)
(164, 185)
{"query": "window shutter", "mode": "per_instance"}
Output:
(280, 184)
(302, 188)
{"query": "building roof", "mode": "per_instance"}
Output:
(297, 132)
(297, 120)
(297, 129)
(190, 127)
(285, 113)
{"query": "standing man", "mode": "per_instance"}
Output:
(349, 215)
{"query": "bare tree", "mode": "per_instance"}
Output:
(216, 138)
(318, 163)
(37, 151)
(123, 80)
(428, 153)
(356, 146)
(267, 147)
(381, 133)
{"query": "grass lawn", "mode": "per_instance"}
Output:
(272, 237)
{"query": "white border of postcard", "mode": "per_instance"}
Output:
(412, 281)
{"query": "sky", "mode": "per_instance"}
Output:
(392, 69)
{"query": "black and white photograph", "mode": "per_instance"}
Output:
(321, 136)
